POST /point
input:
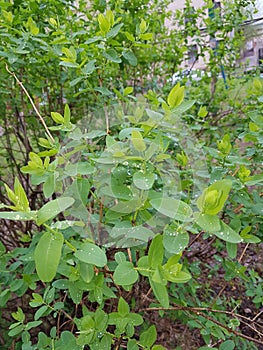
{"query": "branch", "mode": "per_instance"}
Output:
(31, 101)
(225, 285)
(198, 312)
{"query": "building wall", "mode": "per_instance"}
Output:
(252, 52)
(253, 46)
(189, 59)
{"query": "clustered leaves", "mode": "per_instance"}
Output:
(123, 199)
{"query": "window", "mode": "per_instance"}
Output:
(192, 54)
(249, 49)
(260, 56)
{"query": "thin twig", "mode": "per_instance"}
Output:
(129, 254)
(199, 313)
(31, 101)
(66, 314)
(243, 253)
(195, 239)
(257, 315)
(239, 260)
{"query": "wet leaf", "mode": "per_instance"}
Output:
(47, 255)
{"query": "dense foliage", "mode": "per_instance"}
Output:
(116, 186)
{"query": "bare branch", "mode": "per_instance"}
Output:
(31, 101)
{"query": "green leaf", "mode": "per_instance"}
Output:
(157, 276)
(104, 91)
(143, 266)
(87, 328)
(91, 254)
(49, 295)
(227, 345)
(15, 331)
(2, 249)
(22, 201)
(101, 320)
(18, 315)
(18, 197)
(69, 64)
(89, 67)
(36, 301)
(224, 146)
(66, 114)
(208, 223)
(250, 238)
(112, 55)
(86, 272)
(129, 36)
(82, 168)
(114, 31)
(128, 90)
(4, 297)
(61, 284)
(74, 292)
(184, 106)
(40, 312)
(130, 57)
(213, 198)
(49, 185)
(143, 181)
(135, 319)
(47, 255)
(48, 153)
(231, 250)
(160, 291)
(16, 285)
(10, 194)
(156, 116)
(137, 141)
(18, 215)
(258, 86)
(138, 232)
(53, 208)
(120, 190)
(173, 208)
(132, 345)
(104, 24)
(125, 274)
(202, 113)
(143, 26)
(67, 342)
(31, 25)
(57, 117)
(127, 207)
(177, 277)
(175, 240)
(227, 234)
(32, 324)
(146, 36)
(258, 178)
(76, 81)
(148, 337)
(257, 118)
(156, 252)
(123, 308)
(119, 257)
(93, 39)
(176, 96)
(7, 15)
